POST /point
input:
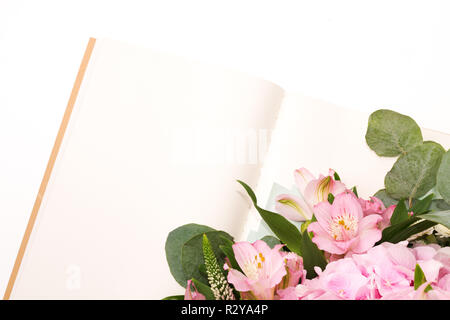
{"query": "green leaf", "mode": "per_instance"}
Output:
(355, 191)
(390, 133)
(441, 217)
(312, 256)
(391, 232)
(192, 254)
(414, 174)
(281, 227)
(330, 198)
(229, 253)
(336, 177)
(419, 277)
(415, 228)
(403, 226)
(227, 249)
(400, 213)
(202, 270)
(271, 241)
(443, 177)
(203, 289)
(179, 297)
(422, 206)
(439, 205)
(174, 243)
(385, 198)
(305, 225)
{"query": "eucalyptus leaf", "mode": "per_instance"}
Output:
(192, 254)
(414, 174)
(385, 198)
(203, 289)
(443, 177)
(441, 217)
(422, 206)
(174, 243)
(202, 270)
(281, 227)
(439, 205)
(390, 133)
(271, 241)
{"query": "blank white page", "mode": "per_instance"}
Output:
(319, 135)
(147, 149)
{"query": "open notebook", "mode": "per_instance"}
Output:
(151, 141)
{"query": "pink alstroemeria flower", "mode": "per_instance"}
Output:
(192, 295)
(372, 206)
(386, 215)
(294, 270)
(341, 227)
(263, 269)
(376, 206)
(313, 191)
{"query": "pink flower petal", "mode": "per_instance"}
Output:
(424, 252)
(322, 212)
(346, 203)
(323, 240)
(244, 253)
(431, 269)
(367, 240)
(302, 177)
(292, 207)
(238, 280)
(337, 187)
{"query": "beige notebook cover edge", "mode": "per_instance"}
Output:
(50, 165)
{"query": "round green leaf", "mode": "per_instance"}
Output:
(271, 241)
(439, 205)
(192, 253)
(390, 133)
(414, 174)
(443, 177)
(385, 198)
(174, 244)
(441, 217)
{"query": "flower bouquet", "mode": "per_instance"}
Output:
(394, 245)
